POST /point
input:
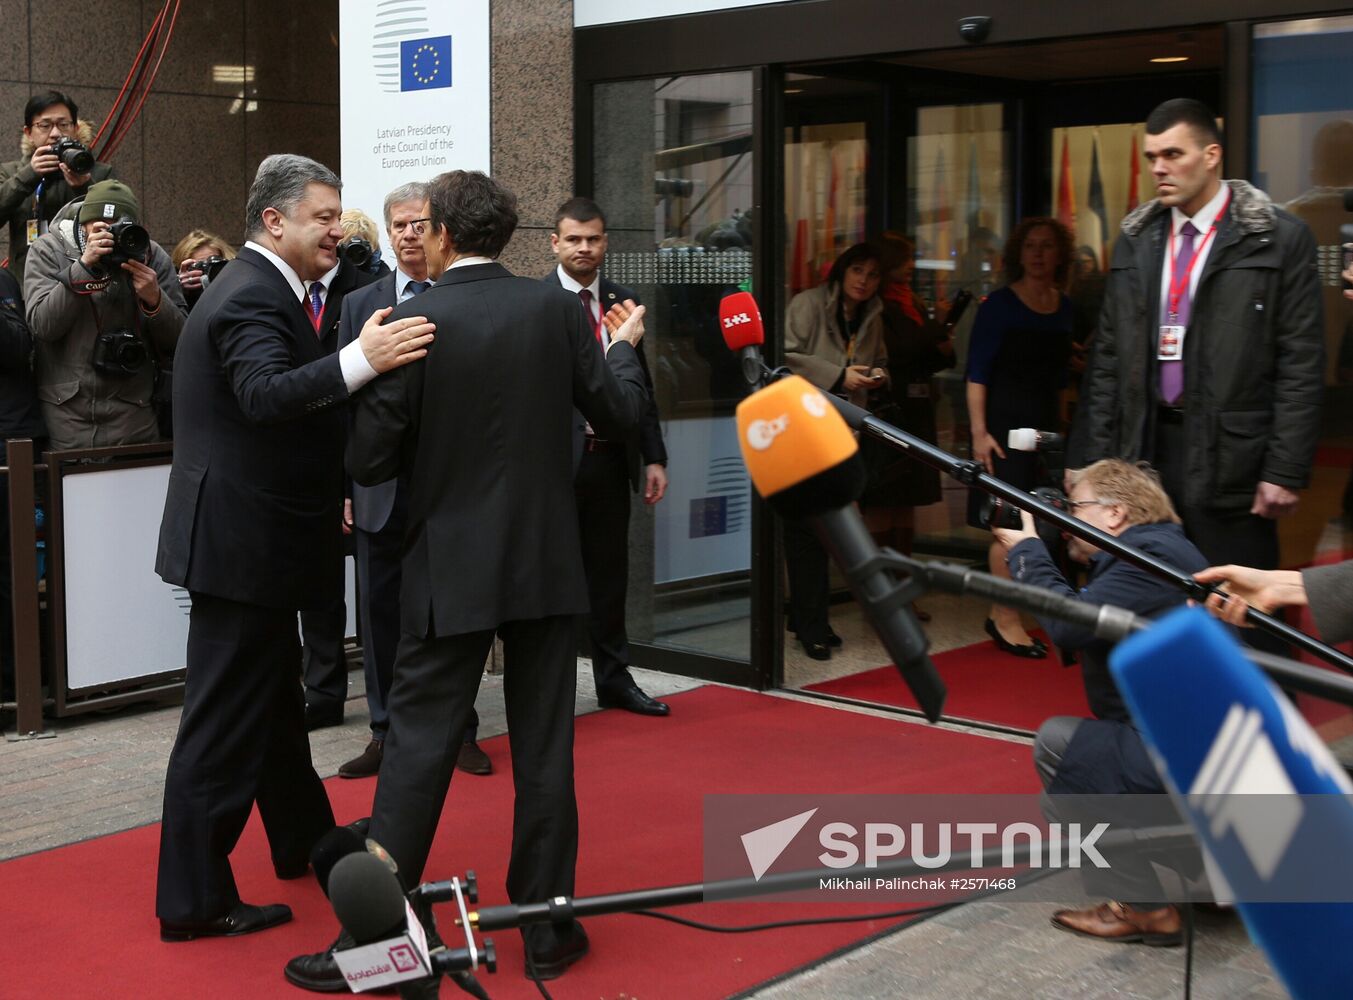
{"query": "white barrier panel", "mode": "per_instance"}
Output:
(413, 95)
(122, 621)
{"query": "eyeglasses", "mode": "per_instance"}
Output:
(419, 226)
(46, 124)
(1076, 504)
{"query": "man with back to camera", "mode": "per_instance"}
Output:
(35, 186)
(379, 513)
(608, 471)
(101, 311)
(1105, 755)
(491, 544)
(251, 530)
(1209, 358)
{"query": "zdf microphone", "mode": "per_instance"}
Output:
(804, 461)
(744, 333)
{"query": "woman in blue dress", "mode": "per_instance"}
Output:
(1018, 361)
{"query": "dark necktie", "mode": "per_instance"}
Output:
(1172, 372)
(418, 287)
(315, 303)
(585, 295)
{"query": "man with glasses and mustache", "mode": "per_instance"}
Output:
(35, 186)
(1105, 755)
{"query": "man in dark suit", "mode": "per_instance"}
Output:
(251, 530)
(608, 469)
(324, 664)
(481, 434)
(378, 513)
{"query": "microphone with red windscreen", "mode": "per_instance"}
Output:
(740, 321)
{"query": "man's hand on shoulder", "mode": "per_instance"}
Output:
(625, 322)
(387, 346)
(1272, 500)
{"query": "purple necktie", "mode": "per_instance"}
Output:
(1172, 372)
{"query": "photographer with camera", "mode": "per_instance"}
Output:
(361, 246)
(55, 167)
(197, 259)
(1105, 755)
(102, 300)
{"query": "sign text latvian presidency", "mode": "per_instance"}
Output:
(414, 94)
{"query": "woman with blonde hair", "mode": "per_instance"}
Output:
(199, 245)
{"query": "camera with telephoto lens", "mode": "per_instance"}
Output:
(119, 353)
(130, 242)
(998, 513)
(209, 266)
(360, 253)
(74, 154)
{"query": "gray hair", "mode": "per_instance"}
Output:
(280, 183)
(413, 191)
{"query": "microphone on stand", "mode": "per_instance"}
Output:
(805, 463)
(744, 333)
(392, 946)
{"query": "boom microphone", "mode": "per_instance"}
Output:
(1029, 439)
(805, 463)
(332, 848)
(743, 332)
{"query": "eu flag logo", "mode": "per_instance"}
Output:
(425, 63)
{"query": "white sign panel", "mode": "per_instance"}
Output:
(703, 527)
(122, 621)
(413, 92)
(590, 12)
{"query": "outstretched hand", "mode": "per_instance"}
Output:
(390, 345)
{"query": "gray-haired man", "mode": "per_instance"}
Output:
(251, 529)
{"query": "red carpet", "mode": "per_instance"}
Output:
(985, 685)
(80, 918)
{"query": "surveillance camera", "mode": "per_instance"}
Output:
(974, 29)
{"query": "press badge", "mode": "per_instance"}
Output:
(1170, 343)
(32, 231)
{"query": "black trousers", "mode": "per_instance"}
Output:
(602, 488)
(1223, 536)
(241, 740)
(379, 573)
(323, 663)
(434, 688)
(809, 584)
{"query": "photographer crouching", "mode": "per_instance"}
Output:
(1105, 755)
(103, 304)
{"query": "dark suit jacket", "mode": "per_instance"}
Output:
(371, 505)
(256, 489)
(646, 442)
(480, 429)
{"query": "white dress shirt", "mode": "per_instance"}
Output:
(1201, 222)
(573, 286)
(357, 371)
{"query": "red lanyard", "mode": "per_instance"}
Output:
(1177, 285)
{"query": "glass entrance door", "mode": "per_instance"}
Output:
(674, 172)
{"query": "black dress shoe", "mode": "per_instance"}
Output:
(550, 961)
(817, 650)
(472, 759)
(318, 715)
(1035, 651)
(834, 640)
(631, 699)
(366, 764)
(319, 972)
(242, 919)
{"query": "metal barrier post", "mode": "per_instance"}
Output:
(23, 568)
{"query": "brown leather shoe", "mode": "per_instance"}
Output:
(1120, 922)
(473, 760)
(367, 764)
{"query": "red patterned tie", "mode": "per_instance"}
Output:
(585, 295)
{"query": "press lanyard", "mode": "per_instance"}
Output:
(1177, 285)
